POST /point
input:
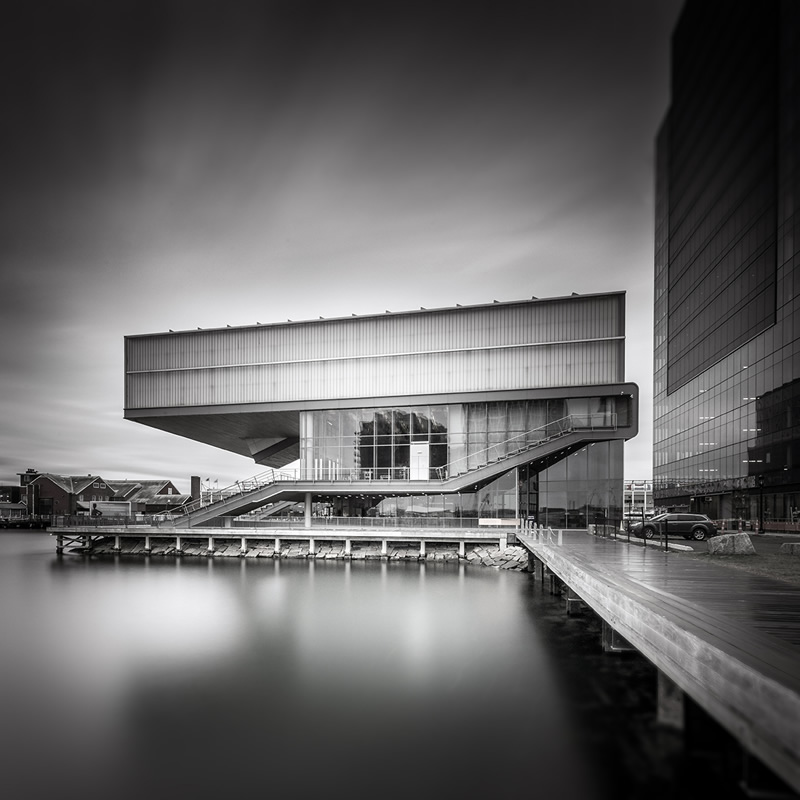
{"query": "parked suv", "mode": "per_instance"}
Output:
(690, 526)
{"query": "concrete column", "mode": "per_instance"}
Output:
(422, 548)
(312, 547)
(574, 602)
(227, 522)
(462, 550)
(116, 543)
(147, 544)
(211, 545)
(277, 547)
(177, 545)
(243, 547)
(384, 547)
(613, 642)
(59, 543)
(308, 510)
(503, 542)
(670, 712)
(347, 548)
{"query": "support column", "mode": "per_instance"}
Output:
(227, 522)
(59, 543)
(574, 602)
(347, 548)
(312, 547)
(116, 543)
(147, 547)
(384, 547)
(670, 703)
(277, 547)
(614, 642)
(503, 542)
(308, 510)
(462, 550)
(422, 548)
(211, 545)
(178, 551)
(243, 548)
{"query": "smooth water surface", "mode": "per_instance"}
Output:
(160, 677)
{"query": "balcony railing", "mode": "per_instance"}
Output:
(473, 461)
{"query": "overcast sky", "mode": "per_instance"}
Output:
(199, 164)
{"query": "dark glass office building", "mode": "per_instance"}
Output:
(727, 265)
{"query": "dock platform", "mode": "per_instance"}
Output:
(728, 639)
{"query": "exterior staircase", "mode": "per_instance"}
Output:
(273, 486)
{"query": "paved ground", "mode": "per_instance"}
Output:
(768, 561)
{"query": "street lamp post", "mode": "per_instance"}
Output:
(761, 504)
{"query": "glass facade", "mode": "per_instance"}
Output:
(727, 266)
(437, 442)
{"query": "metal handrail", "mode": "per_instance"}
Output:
(237, 489)
(522, 442)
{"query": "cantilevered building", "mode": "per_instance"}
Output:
(502, 411)
(727, 265)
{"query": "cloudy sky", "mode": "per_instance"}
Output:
(186, 163)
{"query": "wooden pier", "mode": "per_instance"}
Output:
(84, 538)
(727, 639)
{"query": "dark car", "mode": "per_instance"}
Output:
(690, 526)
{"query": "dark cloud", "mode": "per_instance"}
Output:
(183, 162)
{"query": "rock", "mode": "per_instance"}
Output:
(731, 544)
(790, 549)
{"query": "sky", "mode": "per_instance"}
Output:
(187, 163)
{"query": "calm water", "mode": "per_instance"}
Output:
(243, 678)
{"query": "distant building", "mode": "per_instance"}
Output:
(727, 265)
(149, 496)
(46, 494)
(479, 413)
(638, 498)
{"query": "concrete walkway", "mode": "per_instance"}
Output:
(728, 639)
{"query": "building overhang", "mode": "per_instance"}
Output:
(269, 432)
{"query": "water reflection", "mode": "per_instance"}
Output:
(157, 677)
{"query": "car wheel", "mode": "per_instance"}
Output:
(698, 534)
(649, 533)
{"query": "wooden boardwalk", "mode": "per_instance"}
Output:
(729, 639)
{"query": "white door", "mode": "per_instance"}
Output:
(420, 461)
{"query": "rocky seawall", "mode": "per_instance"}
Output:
(511, 557)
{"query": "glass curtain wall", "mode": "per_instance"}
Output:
(583, 489)
(435, 442)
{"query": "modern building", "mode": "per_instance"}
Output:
(727, 265)
(489, 412)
